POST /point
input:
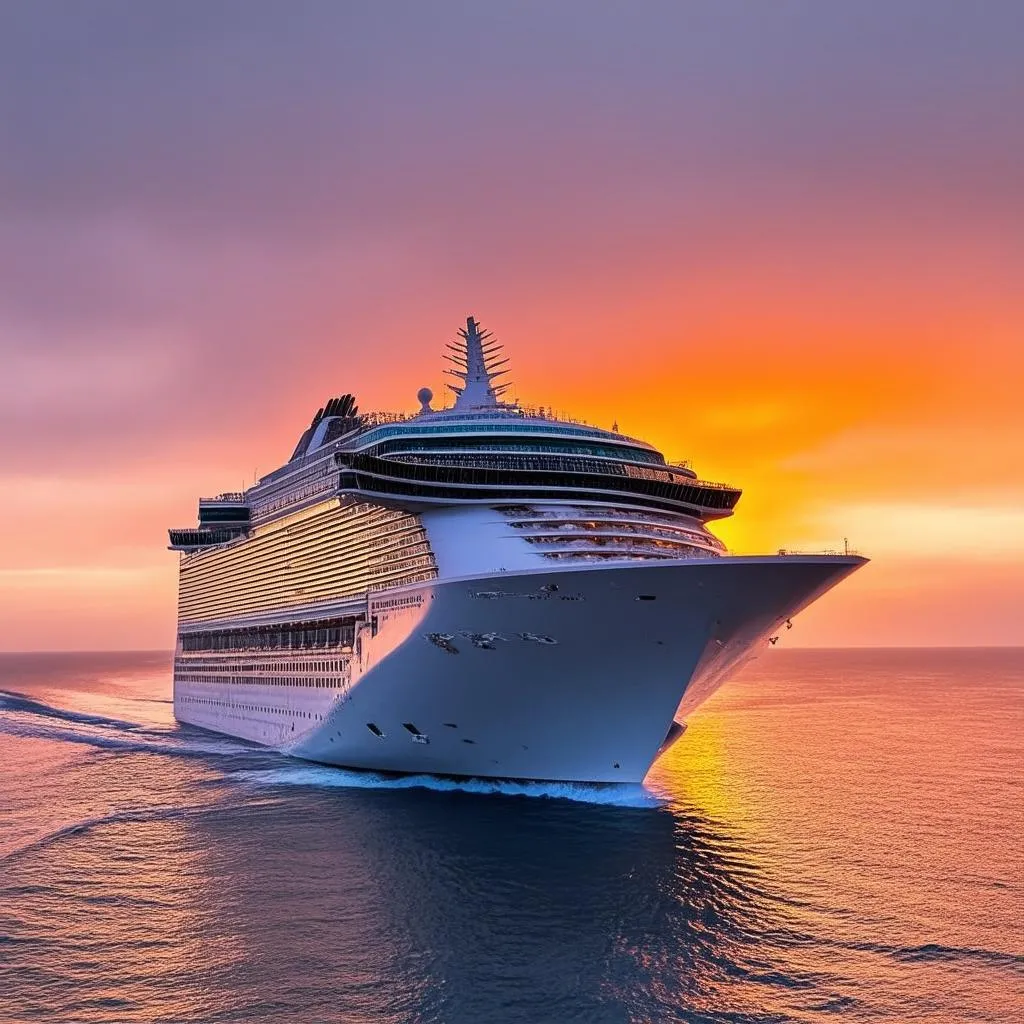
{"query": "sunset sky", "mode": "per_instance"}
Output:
(783, 240)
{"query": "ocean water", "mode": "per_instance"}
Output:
(838, 836)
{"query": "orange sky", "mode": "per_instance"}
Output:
(905, 440)
(801, 273)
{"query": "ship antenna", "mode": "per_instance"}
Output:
(478, 365)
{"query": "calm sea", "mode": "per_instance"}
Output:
(837, 836)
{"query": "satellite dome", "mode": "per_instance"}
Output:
(423, 396)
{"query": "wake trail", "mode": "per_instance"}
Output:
(87, 825)
(30, 718)
(19, 702)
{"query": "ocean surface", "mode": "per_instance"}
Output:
(838, 836)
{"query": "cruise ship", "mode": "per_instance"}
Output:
(484, 590)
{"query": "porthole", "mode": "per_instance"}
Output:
(375, 730)
(417, 736)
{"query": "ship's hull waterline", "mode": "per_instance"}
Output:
(573, 675)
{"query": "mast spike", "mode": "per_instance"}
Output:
(479, 360)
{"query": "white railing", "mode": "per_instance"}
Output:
(846, 550)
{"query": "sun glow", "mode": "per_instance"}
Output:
(818, 302)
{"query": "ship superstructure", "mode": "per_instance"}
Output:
(482, 590)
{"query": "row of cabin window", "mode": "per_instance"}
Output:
(327, 580)
(341, 635)
(283, 541)
(305, 683)
(236, 668)
(265, 552)
(292, 712)
(217, 585)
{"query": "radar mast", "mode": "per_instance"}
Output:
(478, 364)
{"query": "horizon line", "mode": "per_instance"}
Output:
(773, 650)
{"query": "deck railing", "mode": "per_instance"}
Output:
(227, 498)
(846, 550)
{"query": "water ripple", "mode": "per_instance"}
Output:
(820, 845)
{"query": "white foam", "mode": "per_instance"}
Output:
(615, 794)
(39, 720)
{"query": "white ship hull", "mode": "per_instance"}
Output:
(484, 590)
(580, 674)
